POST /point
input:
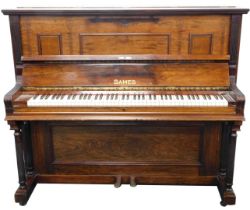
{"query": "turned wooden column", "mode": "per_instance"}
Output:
(27, 148)
(16, 126)
(225, 177)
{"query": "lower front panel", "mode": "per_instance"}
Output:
(146, 150)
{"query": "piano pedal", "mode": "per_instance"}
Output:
(118, 182)
(132, 181)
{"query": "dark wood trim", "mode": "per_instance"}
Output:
(9, 97)
(22, 195)
(16, 42)
(126, 11)
(227, 156)
(17, 127)
(234, 45)
(109, 179)
(27, 147)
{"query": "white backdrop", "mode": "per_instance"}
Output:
(106, 196)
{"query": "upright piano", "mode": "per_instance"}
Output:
(125, 96)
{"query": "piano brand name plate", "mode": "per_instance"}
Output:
(124, 82)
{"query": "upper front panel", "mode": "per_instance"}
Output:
(119, 35)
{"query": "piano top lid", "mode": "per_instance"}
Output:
(125, 10)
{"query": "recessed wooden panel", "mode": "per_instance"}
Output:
(108, 147)
(49, 44)
(177, 27)
(77, 144)
(170, 74)
(124, 43)
(200, 44)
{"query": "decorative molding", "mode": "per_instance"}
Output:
(59, 42)
(84, 35)
(209, 37)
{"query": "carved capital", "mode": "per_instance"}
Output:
(236, 126)
(14, 125)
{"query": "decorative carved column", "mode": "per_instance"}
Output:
(16, 126)
(27, 148)
(225, 177)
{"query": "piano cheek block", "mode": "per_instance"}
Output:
(125, 106)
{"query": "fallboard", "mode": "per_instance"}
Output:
(127, 74)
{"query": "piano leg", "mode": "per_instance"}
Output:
(225, 177)
(27, 181)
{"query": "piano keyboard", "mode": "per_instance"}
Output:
(126, 100)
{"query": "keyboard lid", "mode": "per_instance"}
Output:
(127, 75)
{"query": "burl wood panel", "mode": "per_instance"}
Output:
(156, 148)
(143, 36)
(76, 144)
(181, 74)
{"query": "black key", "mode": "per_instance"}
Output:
(182, 98)
(154, 97)
(189, 97)
(54, 97)
(81, 96)
(69, 96)
(85, 96)
(204, 96)
(123, 96)
(209, 97)
(193, 97)
(89, 96)
(221, 97)
(197, 97)
(101, 96)
(116, 96)
(177, 97)
(216, 97)
(35, 96)
(166, 97)
(170, 96)
(74, 96)
(96, 96)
